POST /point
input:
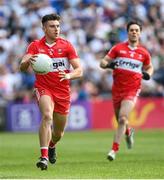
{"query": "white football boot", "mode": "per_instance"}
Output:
(111, 155)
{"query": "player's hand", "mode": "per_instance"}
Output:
(111, 65)
(32, 59)
(64, 76)
(145, 75)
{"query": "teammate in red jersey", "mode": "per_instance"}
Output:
(53, 89)
(130, 63)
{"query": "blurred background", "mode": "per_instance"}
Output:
(93, 27)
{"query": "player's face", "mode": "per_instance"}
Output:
(52, 29)
(134, 33)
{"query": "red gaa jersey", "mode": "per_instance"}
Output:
(130, 61)
(61, 53)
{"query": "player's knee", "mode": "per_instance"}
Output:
(123, 120)
(47, 117)
(58, 135)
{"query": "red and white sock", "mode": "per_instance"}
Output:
(44, 152)
(127, 132)
(115, 146)
(51, 144)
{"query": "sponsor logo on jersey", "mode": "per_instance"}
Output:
(60, 64)
(129, 64)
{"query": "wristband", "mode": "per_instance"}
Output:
(67, 76)
(111, 65)
(145, 75)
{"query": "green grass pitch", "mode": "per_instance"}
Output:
(82, 155)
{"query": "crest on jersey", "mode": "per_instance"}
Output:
(140, 56)
(60, 51)
(131, 53)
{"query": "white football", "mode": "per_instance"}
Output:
(43, 64)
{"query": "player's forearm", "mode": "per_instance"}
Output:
(103, 63)
(24, 66)
(25, 63)
(76, 73)
(149, 70)
(106, 63)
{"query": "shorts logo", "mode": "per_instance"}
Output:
(67, 111)
(42, 92)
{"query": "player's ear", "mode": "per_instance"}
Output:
(43, 28)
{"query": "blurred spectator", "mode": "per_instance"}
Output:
(93, 26)
(9, 84)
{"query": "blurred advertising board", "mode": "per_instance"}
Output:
(2, 117)
(79, 116)
(148, 113)
(26, 117)
(23, 117)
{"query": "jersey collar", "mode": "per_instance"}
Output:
(49, 45)
(131, 47)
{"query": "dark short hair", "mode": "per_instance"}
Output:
(134, 22)
(50, 17)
